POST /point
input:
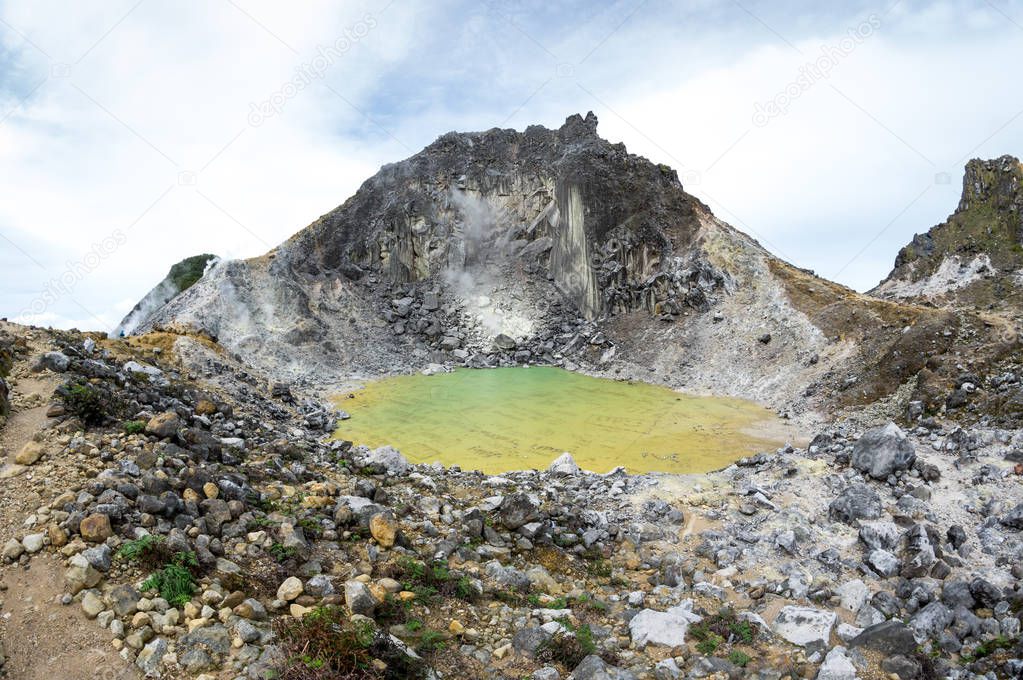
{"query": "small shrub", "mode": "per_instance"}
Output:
(139, 549)
(133, 426)
(324, 644)
(87, 403)
(739, 658)
(428, 581)
(282, 553)
(708, 645)
(312, 528)
(600, 568)
(174, 582)
(430, 641)
(742, 630)
(568, 648)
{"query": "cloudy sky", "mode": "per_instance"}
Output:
(134, 133)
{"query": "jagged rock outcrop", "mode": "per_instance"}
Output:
(557, 247)
(975, 257)
(528, 235)
(181, 277)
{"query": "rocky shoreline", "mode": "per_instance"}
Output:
(209, 527)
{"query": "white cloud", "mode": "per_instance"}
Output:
(166, 96)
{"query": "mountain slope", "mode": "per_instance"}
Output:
(975, 257)
(556, 246)
(181, 277)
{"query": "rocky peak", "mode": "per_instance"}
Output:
(997, 181)
(975, 257)
(182, 276)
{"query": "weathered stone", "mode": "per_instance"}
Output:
(151, 657)
(123, 599)
(164, 425)
(387, 458)
(837, 666)
(564, 465)
(856, 502)
(518, 509)
(290, 589)
(666, 628)
(92, 605)
(252, 609)
(33, 543)
(804, 625)
(29, 454)
(384, 528)
(882, 451)
(96, 528)
(80, 574)
(359, 599)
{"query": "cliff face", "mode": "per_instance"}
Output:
(975, 258)
(477, 237)
(558, 247)
(572, 198)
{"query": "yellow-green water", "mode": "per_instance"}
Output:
(496, 420)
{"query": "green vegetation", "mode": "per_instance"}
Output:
(988, 647)
(717, 630)
(569, 647)
(430, 641)
(282, 553)
(139, 549)
(739, 658)
(86, 402)
(708, 645)
(133, 426)
(324, 644)
(311, 527)
(430, 581)
(174, 582)
(185, 273)
(599, 568)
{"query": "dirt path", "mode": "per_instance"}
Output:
(41, 638)
(45, 640)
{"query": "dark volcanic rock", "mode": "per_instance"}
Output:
(858, 501)
(882, 451)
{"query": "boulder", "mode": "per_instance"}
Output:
(164, 425)
(57, 362)
(29, 454)
(930, 621)
(837, 666)
(290, 589)
(505, 343)
(518, 509)
(882, 451)
(150, 658)
(387, 458)
(1014, 518)
(96, 528)
(854, 594)
(804, 625)
(666, 628)
(883, 562)
(384, 528)
(888, 638)
(856, 502)
(564, 465)
(359, 599)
